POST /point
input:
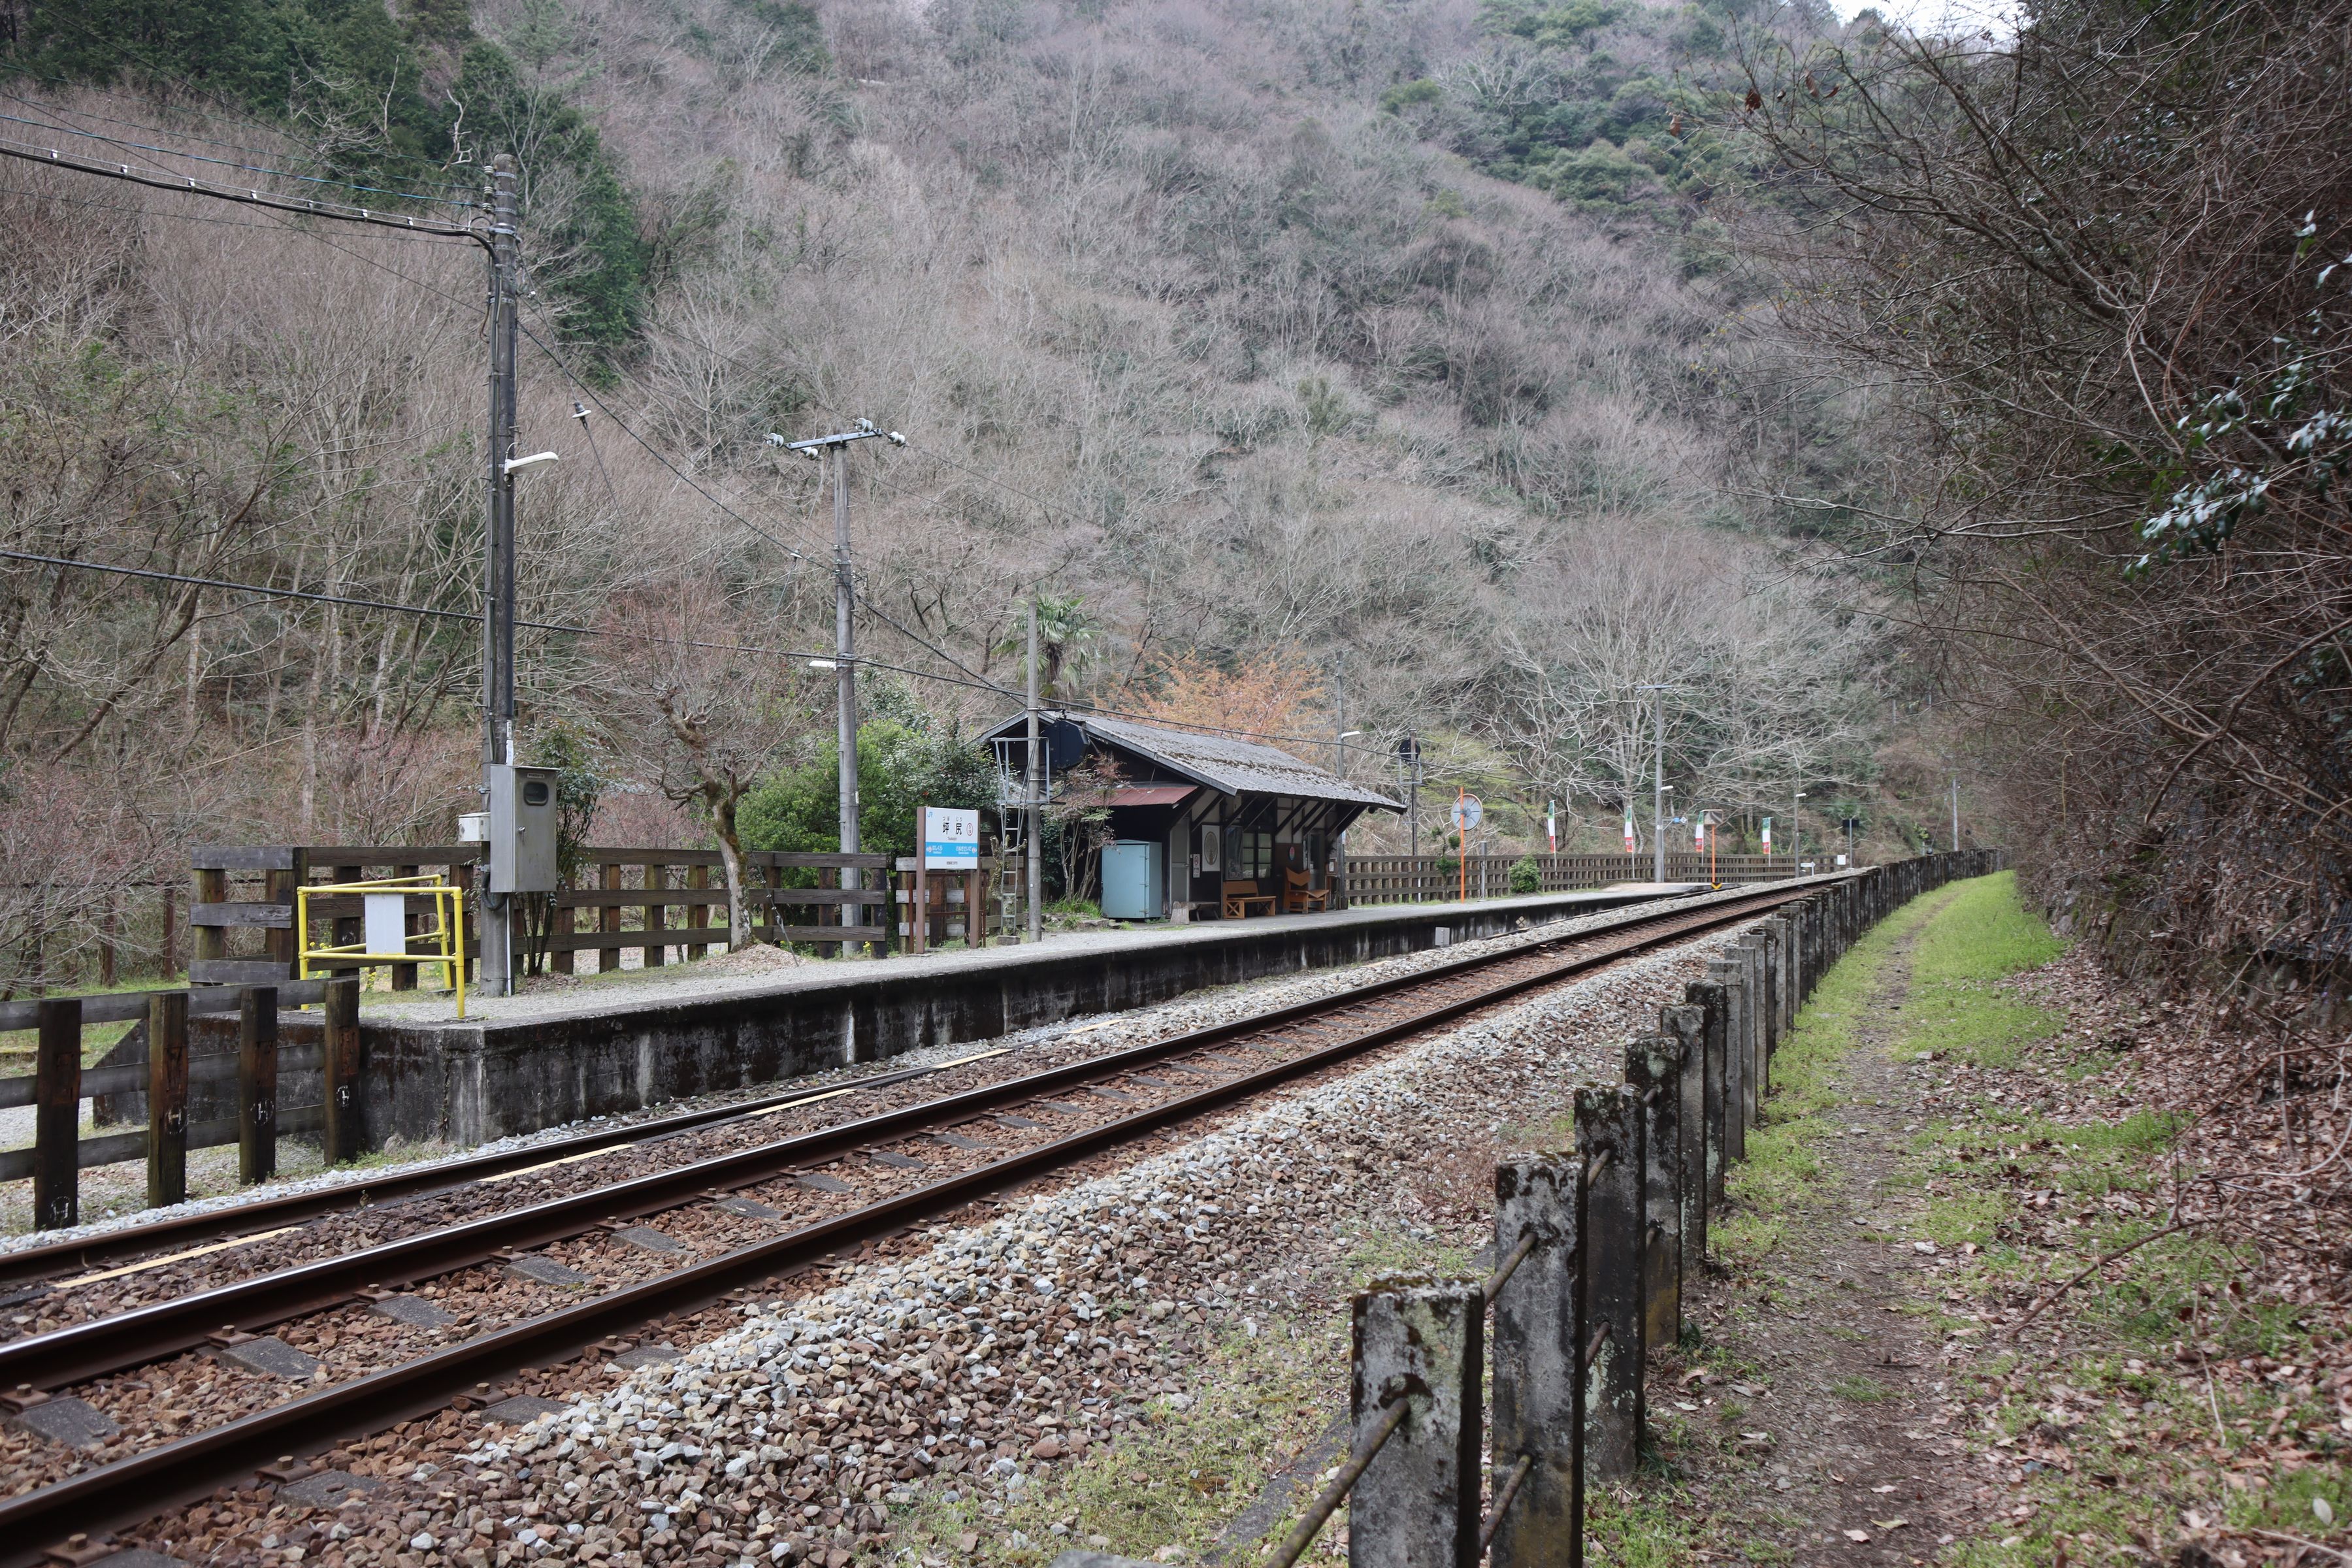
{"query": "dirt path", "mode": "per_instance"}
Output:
(1811, 1420)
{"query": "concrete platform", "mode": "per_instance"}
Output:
(525, 1062)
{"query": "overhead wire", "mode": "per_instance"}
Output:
(223, 107)
(19, 73)
(52, 157)
(972, 678)
(226, 164)
(135, 212)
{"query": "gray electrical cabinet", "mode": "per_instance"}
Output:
(523, 828)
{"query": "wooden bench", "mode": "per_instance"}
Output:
(1242, 900)
(1298, 899)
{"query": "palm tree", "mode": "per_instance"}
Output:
(1066, 634)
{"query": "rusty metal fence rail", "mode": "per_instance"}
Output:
(1592, 1247)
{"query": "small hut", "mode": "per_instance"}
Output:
(1203, 826)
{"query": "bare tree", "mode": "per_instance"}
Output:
(698, 713)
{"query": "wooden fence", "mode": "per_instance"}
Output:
(198, 1087)
(1417, 879)
(655, 903)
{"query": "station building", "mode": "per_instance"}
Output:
(1202, 826)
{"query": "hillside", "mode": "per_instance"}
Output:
(1204, 319)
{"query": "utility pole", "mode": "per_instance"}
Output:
(495, 975)
(1796, 833)
(1658, 782)
(1032, 791)
(1956, 811)
(845, 650)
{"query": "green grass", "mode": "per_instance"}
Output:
(1861, 1390)
(1787, 1156)
(1955, 1009)
(1173, 1480)
(2135, 1465)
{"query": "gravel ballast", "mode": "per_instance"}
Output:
(970, 1365)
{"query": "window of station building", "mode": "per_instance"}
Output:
(1249, 857)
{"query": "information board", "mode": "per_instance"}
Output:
(951, 839)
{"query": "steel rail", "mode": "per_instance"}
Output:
(36, 1264)
(134, 1488)
(60, 1358)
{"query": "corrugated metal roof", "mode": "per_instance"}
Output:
(1224, 762)
(1152, 795)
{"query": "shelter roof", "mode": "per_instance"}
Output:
(1227, 763)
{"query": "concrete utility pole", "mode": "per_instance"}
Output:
(1796, 834)
(845, 599)
(1658, 781)
(496, 977)
(1033, 790)
(1956, 811)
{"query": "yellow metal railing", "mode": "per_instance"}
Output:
(449, 929)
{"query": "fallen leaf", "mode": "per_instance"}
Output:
(1857, 1535)
(1890, 1523)
(1885, 1488)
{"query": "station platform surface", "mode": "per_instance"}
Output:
(671, 984)
(609, 1044)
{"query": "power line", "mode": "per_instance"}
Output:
(136, 212)
(226, 163)
(436, 166)
(33, 152)
(1051, 509)
(589, 393)
(974, 680)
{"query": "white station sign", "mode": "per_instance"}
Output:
(951, 839)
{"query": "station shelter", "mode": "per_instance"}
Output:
(1202, 826)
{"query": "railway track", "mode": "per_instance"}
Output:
(818, 1194)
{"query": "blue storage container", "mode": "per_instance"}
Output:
(1135, 879)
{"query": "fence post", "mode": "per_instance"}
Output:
(1731, 976)
(1712, 998)
(167, 1099)
(1757, 1007)
(1418, 1503)
(257, 1084)
(56, 1117)
(339, 1062)
(1608, 1135)
(1653, 1071)
(1688, 1025)
(1538, 1370)
(281, 886)
(608, 918)
(697, 915)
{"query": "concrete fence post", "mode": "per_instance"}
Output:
(1538, 1367)
(1688, 1025)
(1730, 975)
(1761, 1038)
(1418, 1504)
(1653, 1071)
(1609, 1135)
